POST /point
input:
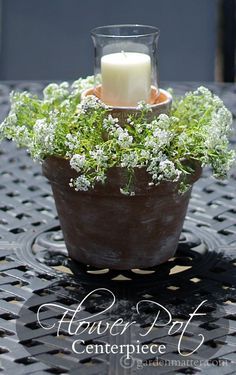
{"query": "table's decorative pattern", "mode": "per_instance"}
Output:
(34, 269)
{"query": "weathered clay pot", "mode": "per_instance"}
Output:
(104, 228)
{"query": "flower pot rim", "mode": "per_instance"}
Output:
(161, 97)
(59, 172)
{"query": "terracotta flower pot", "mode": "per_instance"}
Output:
(106, 229)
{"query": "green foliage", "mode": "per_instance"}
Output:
(85, 132)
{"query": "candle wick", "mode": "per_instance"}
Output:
(124, 54)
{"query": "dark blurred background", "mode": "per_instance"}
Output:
(50, 39)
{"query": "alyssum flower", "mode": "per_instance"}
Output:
(84, 131)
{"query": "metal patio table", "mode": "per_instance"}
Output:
(35, 270)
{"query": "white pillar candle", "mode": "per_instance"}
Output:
(126, 78)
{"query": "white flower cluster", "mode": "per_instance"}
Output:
(54, 92)
(96, 158)
(159, 133)
(21, 136)
(9, 127)
(216, 125)
(99, 156)
(9, 123)
(110, 123)
(166, 122)
(218, 128)
(64, 94)
(78, 162)
(130, 160)
(124, 140)
(157, 140)
(160, 168)
(80, 183)
(72, 143)
(44, 136)
(88, 103)
(168, 171)
(81, 85)
(115, 131)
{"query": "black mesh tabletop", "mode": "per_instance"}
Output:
(36, 271)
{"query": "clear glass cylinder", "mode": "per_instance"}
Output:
(125, 66)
